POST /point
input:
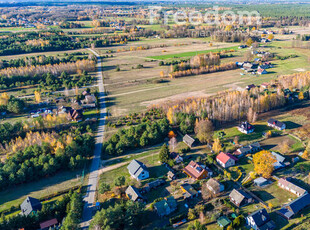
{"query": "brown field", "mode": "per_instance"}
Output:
(131, 89)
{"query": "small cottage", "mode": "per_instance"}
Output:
(240, 198)
(226, 160)
(138, 170)
(246, 127)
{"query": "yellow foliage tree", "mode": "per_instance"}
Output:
(170, 115)
(301, 96)
(217, 146)
(37, 96)
(270, 36)
(263, 163)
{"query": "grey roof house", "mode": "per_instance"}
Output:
(276, 124)
(261, 181)
(251, 148)
(291, 187)
(293, 208)
(30, 205)
(133, 194)
(138, 170)
(188, 140)
(240, 198)
(279, 160)
(260, 220)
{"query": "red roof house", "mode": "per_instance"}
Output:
(196, 171)
(226, 160)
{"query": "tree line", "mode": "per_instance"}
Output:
(235, 105)
(37, 161)
(41, 60)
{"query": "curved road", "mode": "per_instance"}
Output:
(95, 165)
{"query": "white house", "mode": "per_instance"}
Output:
(276, 124)
(138, 170)
(225, 160)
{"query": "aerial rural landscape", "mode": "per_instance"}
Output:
(155, 115)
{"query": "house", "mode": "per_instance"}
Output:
(279, 161)
(75, 115)
(250, 65)
(214, 186)
(290, 210)
(46, 225)
(89, 101)
(250, 87)
(226, 160)
(242, 46)
(152, 185)
(165, 206)
(289, 186)
(138, 170)
(133, 194)
(246, 127)
(276, 124)
(265, 85)
(240, 198)
(260, 220)
(30, 205)
(176, 157)
(261, 181)
(188, 140)
(261, 71)
(189, 191)
(223, 221)
(171, 175)
(251, 148)
(195, 171)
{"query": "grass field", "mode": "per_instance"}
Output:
(132, 90)
(44, 187)
(190, 54)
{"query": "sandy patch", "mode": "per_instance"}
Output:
(177, 97)
(234, 86)
(300, 70)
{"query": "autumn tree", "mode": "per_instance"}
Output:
(252, 115)
(301, 96)
(170, 116)
(204, 131)
(217, 146)
(37, 96)
(264, 163)
(249, 42)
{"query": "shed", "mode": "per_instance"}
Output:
(223, 221)
(261, 181)
(188, 140)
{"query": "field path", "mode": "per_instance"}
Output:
(95, 165)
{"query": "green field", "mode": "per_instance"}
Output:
(190, 54)
(41, 188)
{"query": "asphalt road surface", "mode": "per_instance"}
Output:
(95, 165)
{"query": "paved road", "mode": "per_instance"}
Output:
(95, 165)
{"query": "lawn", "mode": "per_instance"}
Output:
(274, 194)
(38, 189)
(190, 54)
